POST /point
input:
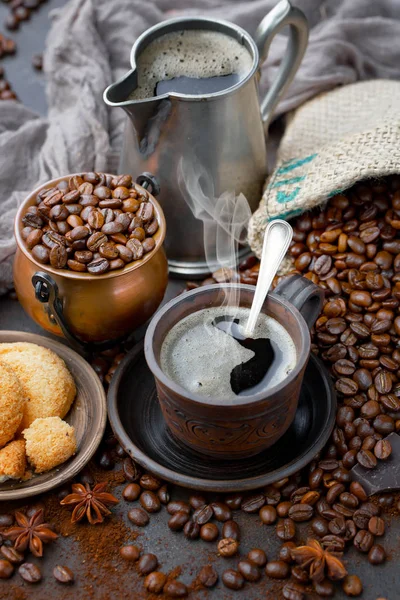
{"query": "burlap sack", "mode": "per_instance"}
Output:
(330, 143)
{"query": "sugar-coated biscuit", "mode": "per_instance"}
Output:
(48, 385)
(12, 461)
(12, 403)
(49, 442)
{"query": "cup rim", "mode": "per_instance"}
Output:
(18, 226)
(197, 399)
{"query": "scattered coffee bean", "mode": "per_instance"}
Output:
(268, 515)
(352, 585)
(192, 530)
(249, 570)
(147, 563)
(12, 555)
(178, 506)
(63, 574)
(286, 529)
(203, 514)
(377, 555)
(293, 591)
(232, 579)
(138, 517)
(155, 582)
(175, 589)
(230, 529)
(178, 521)
(150, 501)
(30, 572)
(130, 552)
(209, 532)
(376, 526)
(277, 569)
(228, 547)
(208, 576)
(252, 504)
(6, 569)
(131, 492)
(197, 501)
(163, 494)
(258, 557)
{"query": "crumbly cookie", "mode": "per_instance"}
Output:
(12, 403)
(12, 461)
(47, 383)
(49, 442)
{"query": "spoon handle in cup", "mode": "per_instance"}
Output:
(277, 237)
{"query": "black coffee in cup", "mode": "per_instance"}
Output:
(201, 357)
(193, 62)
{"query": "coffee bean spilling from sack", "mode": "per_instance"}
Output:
(352, 250)
(90, 223)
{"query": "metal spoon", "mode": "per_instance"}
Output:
(278, 235)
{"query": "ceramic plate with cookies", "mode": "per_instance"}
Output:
(52, 414)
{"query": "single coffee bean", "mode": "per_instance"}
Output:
(382, 449)
(357, 489)
(138, 517)
(228, 547)
(12, 555)
(252, 504)
(83, 256)
(197, 501)
(277, 569)
(337, 526)
(377, 555)
(130, 553)
(376, 526)
(150, 501)
(98, 266)
(300, 575)
(334, 491)
(175, 589)
(230, 529)
(6, 569)
(147, 563)
(96, 240)
(178, 521)
(178, 506)
(58, 257)
(257, 556)
(234, 501)
(333, 543)
(282, 508)
(155, 582)
(108, 250)
(63, 574)
(191, 530)
(324, 588)
(319, 526)
(363, 541)
(163, 494)
(268, 515)
(232, 579)
(366, 459)
(135, 247)
(248, 570)
(6, 520)
(221, 511)
(41, 254)
(150, 482)
(301, 512)
(285, 552)
(130, 469)
(383, 424)
(208, 576)
(203, 514)
(30, 572)
(352, 585)
(286, 529)
(209, 532)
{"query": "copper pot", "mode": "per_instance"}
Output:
(90, 308)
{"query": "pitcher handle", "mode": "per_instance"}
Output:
(283, 14)
(307, 297)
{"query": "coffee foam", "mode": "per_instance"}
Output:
(193, 53)
(200, 357)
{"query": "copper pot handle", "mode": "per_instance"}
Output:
(46, 291)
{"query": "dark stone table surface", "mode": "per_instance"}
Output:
(101, 574)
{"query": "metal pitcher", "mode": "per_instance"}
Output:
(224, 132)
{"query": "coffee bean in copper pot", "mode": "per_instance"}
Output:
(63, 574)
(232, 579)
(155, 582)
(147, 563)
(6, 569)
(98, 266)
(30, 572)
(208, 576)
(41, 254)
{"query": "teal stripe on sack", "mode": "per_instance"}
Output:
(287, 181)
(282, 197)
(293, 163)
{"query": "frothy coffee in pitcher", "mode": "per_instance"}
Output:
(200, 357)
(194, 62)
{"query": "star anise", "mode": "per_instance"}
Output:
(317, 561)
(30, 532)
(92, 503)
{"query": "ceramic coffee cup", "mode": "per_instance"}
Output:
(240, 426)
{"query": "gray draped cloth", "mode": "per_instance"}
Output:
(88, 48)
